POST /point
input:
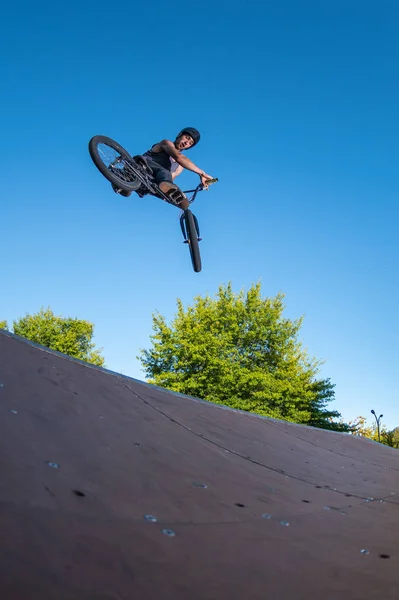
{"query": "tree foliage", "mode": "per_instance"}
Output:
(3, 325)
(361, 428)
(390, 438)
(67, 335)
(239, 350)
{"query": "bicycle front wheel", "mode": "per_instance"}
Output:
(115, 163)
(192, 240)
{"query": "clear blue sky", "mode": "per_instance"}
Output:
(297, 103)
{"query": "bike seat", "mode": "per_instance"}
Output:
(142, 161)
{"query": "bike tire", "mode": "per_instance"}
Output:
(192, 239)
(127, 186)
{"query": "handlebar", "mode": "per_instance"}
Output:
(199, 188)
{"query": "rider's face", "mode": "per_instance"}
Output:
(184, 141)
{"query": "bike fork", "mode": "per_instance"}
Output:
(184, 228)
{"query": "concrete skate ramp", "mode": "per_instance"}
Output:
(112, 489)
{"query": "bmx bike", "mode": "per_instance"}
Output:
(132, 174)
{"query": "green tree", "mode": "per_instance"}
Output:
(321, 416)
(239, 350)
(3, 325)
(390, 438)
(67, 335)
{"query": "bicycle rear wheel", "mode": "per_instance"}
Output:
(114, 162)
(192, 240)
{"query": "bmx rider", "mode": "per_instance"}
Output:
(167, 161)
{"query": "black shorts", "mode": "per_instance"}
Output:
(160, 173)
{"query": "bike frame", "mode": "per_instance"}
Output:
(148, 181)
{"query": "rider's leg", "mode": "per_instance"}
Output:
(165, 183)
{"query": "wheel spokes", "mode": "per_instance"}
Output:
(116, 162)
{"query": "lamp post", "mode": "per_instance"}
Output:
(378, 423)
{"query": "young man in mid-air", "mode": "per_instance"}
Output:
(167, 162)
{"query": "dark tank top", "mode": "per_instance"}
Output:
(161, 158)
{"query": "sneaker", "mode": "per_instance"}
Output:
(172, 191)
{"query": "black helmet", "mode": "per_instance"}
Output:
(191, 131)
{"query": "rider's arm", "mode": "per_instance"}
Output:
(185, 162)
(177, 172)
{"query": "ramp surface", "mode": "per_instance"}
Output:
(112, 489)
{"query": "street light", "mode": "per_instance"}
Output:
(378, 423)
